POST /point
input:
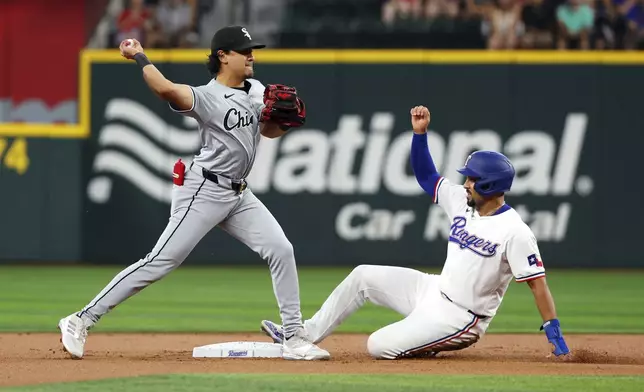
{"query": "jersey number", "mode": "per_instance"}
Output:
(533, 260)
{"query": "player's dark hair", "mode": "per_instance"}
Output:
(214, 64)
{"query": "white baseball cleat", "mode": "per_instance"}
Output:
(73, 335)
(273, 331)
(298, 347)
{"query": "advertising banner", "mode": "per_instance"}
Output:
(342, 186)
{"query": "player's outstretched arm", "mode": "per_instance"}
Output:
(546, 305)
(421, 160)
(179, 95)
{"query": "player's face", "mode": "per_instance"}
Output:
(472, 196)
(242, 63)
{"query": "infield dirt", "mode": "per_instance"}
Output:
(32, 358)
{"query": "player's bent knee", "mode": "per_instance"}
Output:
(283, 250)
(379, 348)
(362, 271)
(365, 275)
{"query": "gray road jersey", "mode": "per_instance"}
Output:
(228, 126)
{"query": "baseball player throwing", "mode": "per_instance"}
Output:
(233, 111)
(489, 245)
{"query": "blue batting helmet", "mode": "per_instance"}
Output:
(493, 171)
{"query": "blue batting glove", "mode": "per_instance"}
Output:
(553, 333)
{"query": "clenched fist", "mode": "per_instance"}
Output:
(419, 119)
(129, 48)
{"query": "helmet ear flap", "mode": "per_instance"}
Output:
(484, 188)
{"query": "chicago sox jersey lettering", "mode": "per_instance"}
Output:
(234, 119)
(470, 241)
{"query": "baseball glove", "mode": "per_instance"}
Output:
(283, 106)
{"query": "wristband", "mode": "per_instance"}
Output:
(141, 59)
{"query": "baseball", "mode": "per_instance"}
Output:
(129, 42)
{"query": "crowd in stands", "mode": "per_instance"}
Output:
(157, 23)
(536, 24)
(499, 24)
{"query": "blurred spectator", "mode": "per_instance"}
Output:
(152, 4)
(176, 22)
(576, 20)
(435, 8)
(539, 24)
(632, 15)
(505, 25)
(463, 24)
(479, 8)
(608, 26)
(134, 22)
(394, 10)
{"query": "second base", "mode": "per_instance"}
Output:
(239, 350)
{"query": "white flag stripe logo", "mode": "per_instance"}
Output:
(122, 165)
(183, 141)
(116, 135)
(135, 137)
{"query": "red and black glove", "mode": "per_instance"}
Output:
(283, 106)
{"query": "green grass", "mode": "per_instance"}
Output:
(352, 383)
(193, 299)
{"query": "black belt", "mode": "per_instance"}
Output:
(468, 311)
(237, 186)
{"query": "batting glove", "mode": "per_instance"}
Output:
(553, 333)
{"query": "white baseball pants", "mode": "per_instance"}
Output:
(432, 323)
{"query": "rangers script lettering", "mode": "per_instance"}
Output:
(470, 241)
